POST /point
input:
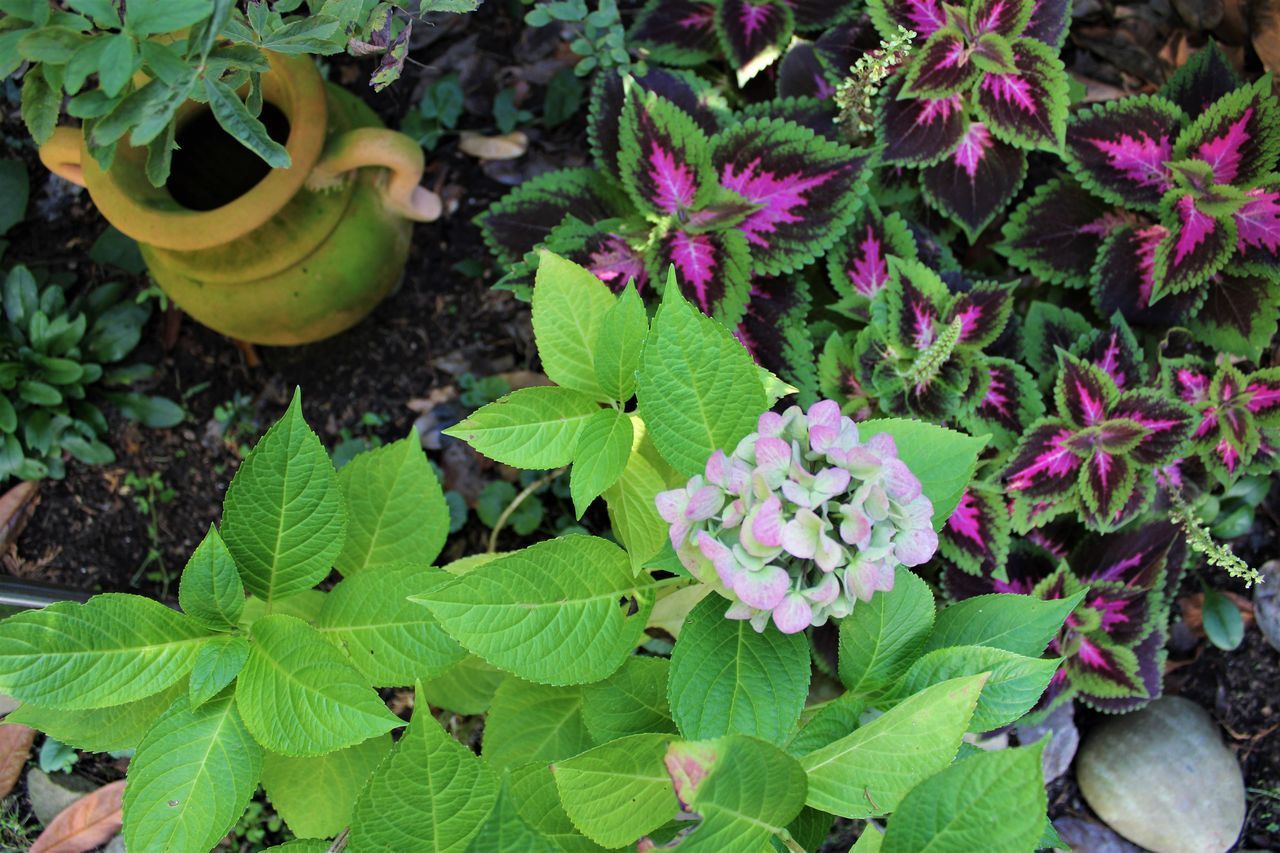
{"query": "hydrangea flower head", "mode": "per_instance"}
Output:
(801, 520)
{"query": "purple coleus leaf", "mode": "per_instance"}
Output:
(676, 32)
(807, 189)
(753, 33)
(916, 299)
(975, 182)
(1042, 472)
(1027, 108)
(918, 131)
(1196, 246)
(1118, 149)
(811, 15)
(1046, 329)
(1114, 351)
(1057, 232)
(1049, 22)
(816, 115)
(1124, 279)
(775, 329)
(1201, 80)
(714, 270)
(1007, 402)
(607, 255)
(976, 535)
(1007, 18)
(1239, 136)
(1232, 410)
(815, 68)
(940, 67)
(1258, 229)
(664, 158)
(982, 312)
(923, 17)
(859, 263)
(1239, 313)
(523, 219)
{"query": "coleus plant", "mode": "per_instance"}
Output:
(982, 87)
(1169, 219)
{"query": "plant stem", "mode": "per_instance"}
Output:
(515, 504)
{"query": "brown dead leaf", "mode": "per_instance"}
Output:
(15, 749)
(1264, 29)
(16, 508)
(87, 823)
(1193, 610)
(507, 147)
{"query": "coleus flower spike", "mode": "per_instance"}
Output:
(1097, 454)
(801, 520)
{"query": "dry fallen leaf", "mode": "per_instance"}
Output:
(507, 147)
(15, 749)
(1193, 610)
(87, 823)
(1264, 27)
(16, 507)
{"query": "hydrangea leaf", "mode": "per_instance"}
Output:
(940, 67)
(1008, 403)
(1027, 108)
(868, 772)
(824, 723)
(523, 219)
(631, 701)
(216, 665)
(430, 786)
(505, 829)
(210, 591)
(109, 650)
(569, 306)
(1021, 624)
(713, 270)
(1124, 279)
(395, 508)
(976, 180)
(601, 457)
(531, 723)
(753, 33)
(619, 791)
(923, 17)
(530, 428)
(110, 729)
(806, 189)
(1118, 149)
(622, 334)
(664, 156)
(918, 131)
(632, 514)
(298, 695)
(1239, 136)
(548, 613)
(1196, 246)
(728, 679)
(1013, 684)
(676, 32)
(688, 365)
(744, 790)
(284, 519)
(881, 637)
(316, 796)
(465, 688)
(1239, 312)
(191, 778)
(1200, 81)
(976, 536)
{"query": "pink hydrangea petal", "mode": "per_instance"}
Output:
(770, 423)
(679, 534)
(829, 555)
(899, 482)
(915, 547)
(797, 494)
(704, 503)
(739, 611)
(800, 535)
(733, 515)
(883, 445)
(793, 615)
(825, 591)
(717, 470)
(822, 438)
(824, 413)
(720, 557)
(855, 529)
(762, 589)
(766, 523)
(831, 482)
(671, 504)
(772, 454)
(862, 462)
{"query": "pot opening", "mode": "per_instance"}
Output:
(210, 168)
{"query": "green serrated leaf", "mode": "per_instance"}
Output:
(632, 512)
(604, 446)
(569, 307)
(299, 696)
(1014, 685)
(1022, 624)
(942, 459)
(467, 687)
(529, 428)
(631, 701)
(506, 830)
(217, 664)
(618, 792)
(317, 795)
(210, 590)
(396, 512)
(826, 723)
(882, 637)
(244, 127)
(728, 679)
(40, 105)
(153, 17)
(118, 727)
(283, 518)
(868, 772)
(536, 800)
(192, 776)
(622, 334)
(534, 723)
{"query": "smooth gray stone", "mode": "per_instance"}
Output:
(1062, 746)
(1266, 602)
(1086, 836)
(49, 795)
(1162, 778)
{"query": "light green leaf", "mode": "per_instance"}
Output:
(632, 512)
(467, 687)
(621, 340)
(698, 389)
(243, 125)
(40, 105)
(118, 63)
(283, 518)
(299, 696)
(534, 794)
(1022, 624)
(112, 729)
(317, 795)
(192, 776)
(155, 17)
(1015, 685)
(618, 792)
(569, 307)
(506, 830)
(868, 772)
(110, 650)
(745, 791)
(603, 449)
(534, 723)
(529, 428)
(210, 591)
(389, 639)
(217, 664)
(942, 459)
(431, 792)
(992, 801)
(396, 511)
(548, 613)
(870, 841)
(306, 605)
(826, 723)
(728, 679)
(631, 701)
(881, 637)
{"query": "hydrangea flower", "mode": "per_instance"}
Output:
(801, 519)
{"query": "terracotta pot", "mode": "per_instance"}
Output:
(306, 252)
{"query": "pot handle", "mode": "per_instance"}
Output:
(376, 146)
(61, 154)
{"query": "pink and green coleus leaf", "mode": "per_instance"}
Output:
(1008, 402)
(1200, 81)
(1049, 22)
(1043, 467)
(1118, 149)
(1231, 417)
(1239, 313)
(838, 376)
(1239, 136)
(809, 112)
(1008, 18)
(1166, 424)
(664, 159)
(918, 131)
(807, 189)
(1116, 352)
(1083, 393)
(993, 54)
(1046, 329)
(775, 329)
(714, 270)
(1258, 229)
(982, 311)
(1027, 108)
(976, 536)
(526, 216)
(753, 33)
(935, 395)
(976, 180)
(914, 299)
(816, 68)
(1107, 482)
(676, 32)
(1124, 279)
(811, 15)
(940, 67)
(858, 264)
(601, 248)
(922, 17)
(1196, 246)
(1056, 233)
